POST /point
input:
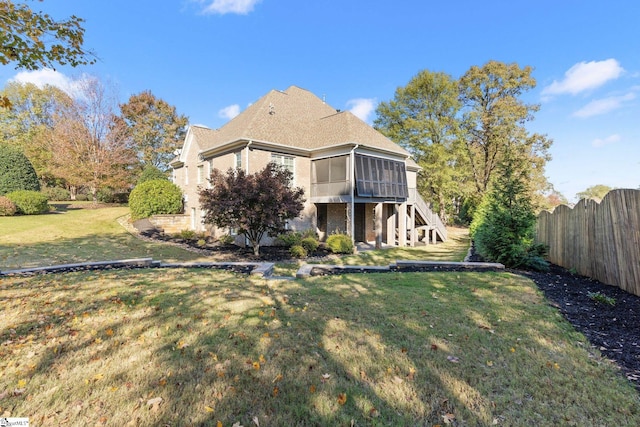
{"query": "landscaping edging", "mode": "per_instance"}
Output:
(400, 266)
(263, 269)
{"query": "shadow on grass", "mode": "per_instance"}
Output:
(388, 349)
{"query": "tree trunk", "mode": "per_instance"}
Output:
(73, 191)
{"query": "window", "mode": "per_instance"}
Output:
(333, 169)
(377, 177)
(285, 161)
(186, 175)
(238, 160)
(200, 174)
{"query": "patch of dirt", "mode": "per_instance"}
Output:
(614, 329)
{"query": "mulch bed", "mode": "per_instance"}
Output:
(615, 330)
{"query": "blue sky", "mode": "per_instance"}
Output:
(212, 58)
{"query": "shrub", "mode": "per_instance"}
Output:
(7, 207)
(81, 197)
(310, 244)
(186, 235)
(29, 202)
(155, 197)
(227, 239)
(16, 171)
(108, 195)
(297, 251)
(340, 244)
(150, 173)
(289, 239)
(57, 194)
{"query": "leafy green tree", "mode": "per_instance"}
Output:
(34, 39)
(494, 118)
(28, 124)
(254, 204)
(156, 128)
(16, 171)
(150, 173)
(503, 228)
(422, 118)
(595, 192)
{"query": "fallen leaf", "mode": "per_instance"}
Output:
(312, 389)
(237, 424)
(373, 412)
(275, 392)
(489, 363)
(277, 378)
(342, 398)
(448, 418)
(434, 347)
(326, 376)
(453, 359)
(208, 409)
(256, 421)
(412, 373)
(261, 359)
(256, 365)
(154, 404)
(98, 377)
(22, 383)
(109, 332)
(219, 424)
(397, 380)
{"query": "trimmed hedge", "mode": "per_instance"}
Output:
(16, 171)
(155, 197)
(340, 244)
(29, 202)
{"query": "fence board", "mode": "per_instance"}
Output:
(599, 240)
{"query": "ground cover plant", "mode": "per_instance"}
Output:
(202, 347)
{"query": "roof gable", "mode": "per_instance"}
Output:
(298, 119)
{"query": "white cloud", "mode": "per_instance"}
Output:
(229, 112)
(606, 141)
(47, 76)
(585, 76)
(603, 106)
(222, 7)
(362, 107)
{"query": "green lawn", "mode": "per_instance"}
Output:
(76, 235)
(187, 347)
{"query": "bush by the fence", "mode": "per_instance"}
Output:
(7, 207)
(155, 197)
(29, 202)
(340, 244)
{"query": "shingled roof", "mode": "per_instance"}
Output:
(295, 118)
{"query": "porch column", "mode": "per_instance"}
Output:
(377, 221)
(402, 225)
(391, 226)
(412, 223)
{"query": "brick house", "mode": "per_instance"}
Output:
(356, 180)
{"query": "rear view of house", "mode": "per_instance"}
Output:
(356, 180)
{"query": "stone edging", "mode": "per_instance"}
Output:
(323, 269)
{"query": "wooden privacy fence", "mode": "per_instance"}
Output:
(598, 240)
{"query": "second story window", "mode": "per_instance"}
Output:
(285, 161)
(200, 174)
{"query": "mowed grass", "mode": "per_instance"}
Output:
(187, 347)
(76, 235)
